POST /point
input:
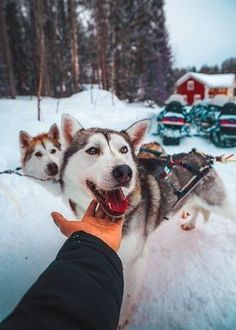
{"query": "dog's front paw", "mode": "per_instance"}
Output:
(187, 226)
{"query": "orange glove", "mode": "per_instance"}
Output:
(94, 222)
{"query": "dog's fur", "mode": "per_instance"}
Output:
(153, 146)
(41, 157)
(150, 201)
(194, 210)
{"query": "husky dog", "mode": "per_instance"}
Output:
(41, 155)
(101, 164)
(151, 150)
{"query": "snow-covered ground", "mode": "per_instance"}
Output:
(190, 279)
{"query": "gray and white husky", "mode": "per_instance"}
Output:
(101, 164)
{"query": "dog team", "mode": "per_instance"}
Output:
(144, 184)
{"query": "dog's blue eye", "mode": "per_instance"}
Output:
(93, 151)
(124, 150)
(38, 154)
(53, 151)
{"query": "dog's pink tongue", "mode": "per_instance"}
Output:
(116, 201)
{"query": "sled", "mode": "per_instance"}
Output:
(224, 134)
(204, 118)
(173, 123)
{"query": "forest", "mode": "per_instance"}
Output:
(56, 47)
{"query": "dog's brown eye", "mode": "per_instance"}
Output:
(38, 154)
(124, 150)
(53, 151)
(93, 151)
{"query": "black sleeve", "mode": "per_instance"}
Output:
(81, 289)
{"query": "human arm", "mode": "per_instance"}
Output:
(81, 289)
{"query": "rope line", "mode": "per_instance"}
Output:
(16, 171)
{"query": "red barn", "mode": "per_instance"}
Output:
(195, 86)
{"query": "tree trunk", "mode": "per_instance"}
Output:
(102, 42)
(7, 52)
(74, 44)
(41, 53)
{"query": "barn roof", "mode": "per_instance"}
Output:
(211, 80)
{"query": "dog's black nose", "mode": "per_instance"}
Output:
(52, 168)
(122, 174)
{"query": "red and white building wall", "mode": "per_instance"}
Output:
(198, 86)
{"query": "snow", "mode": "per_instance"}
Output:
(221, 99)
(176, 98)
(190, 278)
(211, 80)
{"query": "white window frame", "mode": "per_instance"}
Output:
(197, 97)
(221, 90)
(190, 85)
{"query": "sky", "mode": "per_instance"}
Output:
(201, 31)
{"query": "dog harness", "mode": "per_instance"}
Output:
(172, 161)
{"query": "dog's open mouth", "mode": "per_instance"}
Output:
(114, 202)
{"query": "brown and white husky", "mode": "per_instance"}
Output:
(102, 164)
(41, 157)
(41, 154)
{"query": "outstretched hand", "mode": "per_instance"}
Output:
(94, 222)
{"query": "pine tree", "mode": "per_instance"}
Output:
(229, 65)
(122, 47)
(142, 64)
(154, 55)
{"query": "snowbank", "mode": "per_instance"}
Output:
(176, 98)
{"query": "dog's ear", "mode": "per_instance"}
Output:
(137, 132)
(69, 126)
(54, 133)
(24, 141)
